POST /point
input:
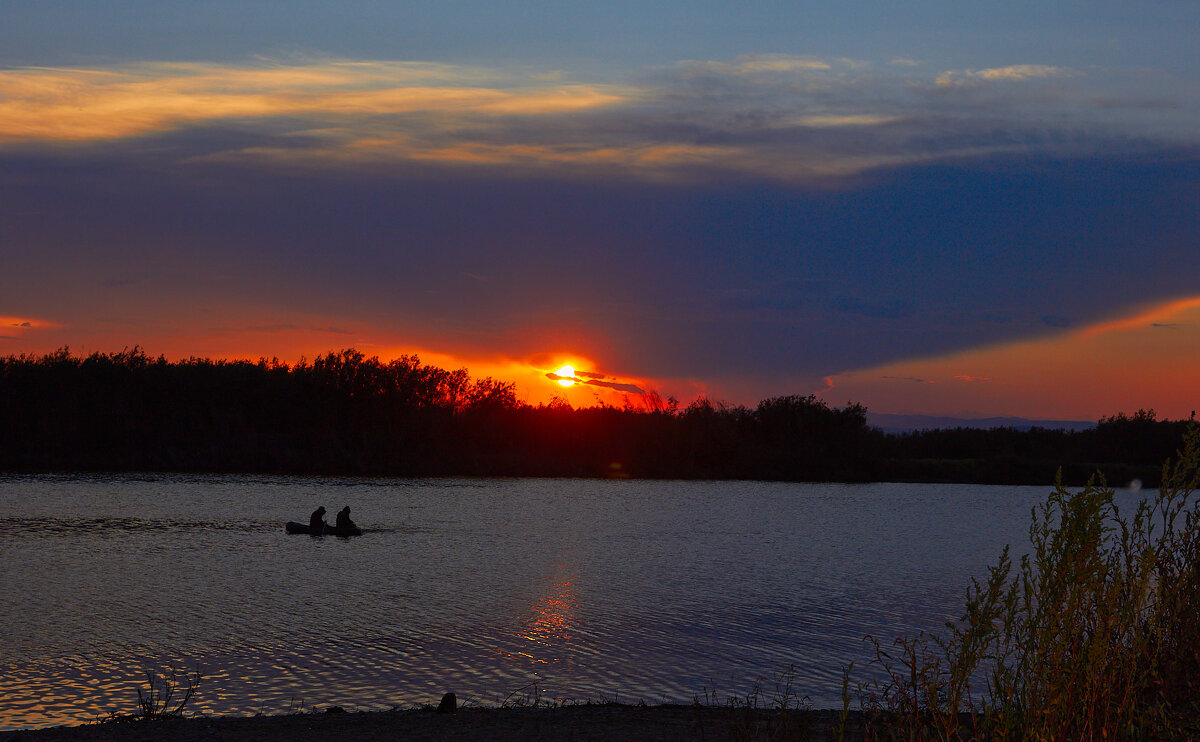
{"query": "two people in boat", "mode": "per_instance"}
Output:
(317, 524)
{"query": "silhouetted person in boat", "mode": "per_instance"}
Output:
(343, 520)
(316, 521)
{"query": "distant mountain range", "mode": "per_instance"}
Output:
(908, 423)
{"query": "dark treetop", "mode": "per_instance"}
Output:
(346, 414)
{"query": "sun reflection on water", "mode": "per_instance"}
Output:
(548, 632)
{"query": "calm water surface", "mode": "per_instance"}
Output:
(589, 589)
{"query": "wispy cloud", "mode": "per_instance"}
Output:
(1150, 317)
(849, 119)
(279, 327)
(908, 379)
(81, 104)
(883, 308)
(775, 116)
(1056, 321)
(597, 379)
(24, 324)
(758, 64)
(1012, 73)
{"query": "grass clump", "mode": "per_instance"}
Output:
(163, 698)
(1092, 635)
(766, 712)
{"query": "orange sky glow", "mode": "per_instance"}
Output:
(289, 343)
(1149, 358)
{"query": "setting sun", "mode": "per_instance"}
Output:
(569, 373)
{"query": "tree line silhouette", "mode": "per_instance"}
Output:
(346, 414)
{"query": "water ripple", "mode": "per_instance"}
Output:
(576, 588)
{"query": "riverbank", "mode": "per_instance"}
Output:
(579, 723)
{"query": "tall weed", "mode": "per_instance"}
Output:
(1093, 635)
(159, 701)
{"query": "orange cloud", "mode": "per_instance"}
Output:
(598, 380)
(80, 104)
(24, 324)
(1158, 314)
(1147, 359)
(350, 113)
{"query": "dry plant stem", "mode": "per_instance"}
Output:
(155, 702)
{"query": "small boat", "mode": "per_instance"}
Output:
(294, 527)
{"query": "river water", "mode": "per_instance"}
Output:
(538, 588)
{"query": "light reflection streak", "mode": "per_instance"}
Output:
(548, 632)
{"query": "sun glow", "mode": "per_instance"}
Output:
(569, 373)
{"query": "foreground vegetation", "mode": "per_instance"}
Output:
(344, 413)
(1092, 636)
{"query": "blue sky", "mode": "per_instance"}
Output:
(605, 37)
(735, 201)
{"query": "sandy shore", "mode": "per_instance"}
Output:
(608, 722)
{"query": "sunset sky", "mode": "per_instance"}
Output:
(952, 208)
